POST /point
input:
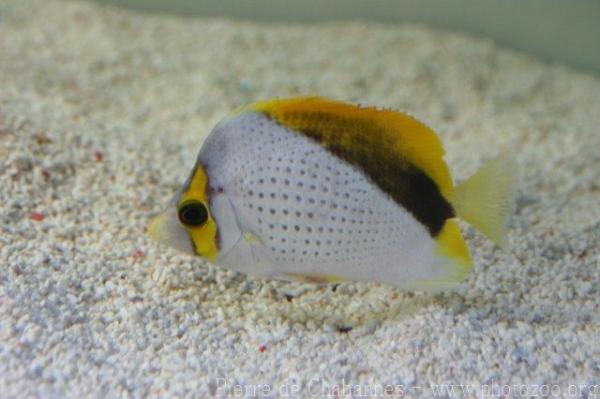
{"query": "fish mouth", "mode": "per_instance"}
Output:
(156, 227)
(166, 229)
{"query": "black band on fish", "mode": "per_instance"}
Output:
(406, 184)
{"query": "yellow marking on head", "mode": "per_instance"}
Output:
(352, 126)
(204, 237)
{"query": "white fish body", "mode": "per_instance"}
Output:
(331, 203)
(294, 209)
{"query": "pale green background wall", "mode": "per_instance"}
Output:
(566, 31)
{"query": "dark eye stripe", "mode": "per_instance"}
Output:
(193, 213)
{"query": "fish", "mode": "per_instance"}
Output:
(316, 190)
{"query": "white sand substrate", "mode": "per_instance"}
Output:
(102, 112)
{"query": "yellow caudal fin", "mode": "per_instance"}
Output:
(486, 199)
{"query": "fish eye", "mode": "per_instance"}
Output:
(193, 213)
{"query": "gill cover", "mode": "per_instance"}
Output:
(182, 227)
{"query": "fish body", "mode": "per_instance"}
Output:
(315, 190)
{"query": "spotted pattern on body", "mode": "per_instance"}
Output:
(312, 211)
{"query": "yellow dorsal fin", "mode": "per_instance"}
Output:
(348, 126)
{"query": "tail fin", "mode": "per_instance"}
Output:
(486, 199)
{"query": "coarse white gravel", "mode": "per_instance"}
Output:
(102, 112)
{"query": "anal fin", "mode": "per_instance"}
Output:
(453, 251)
(452, 262)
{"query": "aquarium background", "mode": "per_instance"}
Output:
(554, 30)
(103, 110)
